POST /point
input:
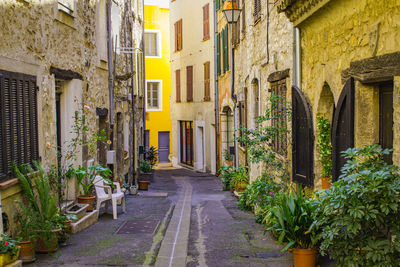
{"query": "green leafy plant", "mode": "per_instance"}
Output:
(86, 177)
(8, 245)
(324, 146)
(226, 175)
(292, 218)
(145, 166)
(239, 175)
(359, 216)
(152, 155)
(227, 156)
(271, 127)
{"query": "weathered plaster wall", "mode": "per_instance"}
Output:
(257, 56)
(336, 35)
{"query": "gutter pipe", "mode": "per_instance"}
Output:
(216, 91)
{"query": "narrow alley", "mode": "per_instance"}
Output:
(212, 231)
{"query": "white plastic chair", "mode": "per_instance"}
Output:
(104, 194)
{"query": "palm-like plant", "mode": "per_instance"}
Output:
(86, 177)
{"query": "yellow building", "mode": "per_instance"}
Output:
(158, 81)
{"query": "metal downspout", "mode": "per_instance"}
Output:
(132, 153)
(143, 78)
(296, 58)
(216, 91)
(233, 96)
(110, 66)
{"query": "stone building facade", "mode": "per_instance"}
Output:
(350, 71)
(61, 48)
(263, 51)
(192, 87)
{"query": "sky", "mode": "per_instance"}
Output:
(160, 3)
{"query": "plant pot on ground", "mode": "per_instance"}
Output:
(41, 204)
(133, 190)
(291, 220)
(27, 251)
(325, 150)
(47, 241)
(146, 172)
(86, 178)
(144, 185)
(240, 178)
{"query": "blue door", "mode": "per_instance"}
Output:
(163, 147)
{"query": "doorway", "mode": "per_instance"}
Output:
(163, 147)
(386, 118)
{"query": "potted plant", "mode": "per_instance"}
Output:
(226, 174)
(325, 150)
(292, 217)
(86, 178)
(42, 204)
(133, 189)
(152, 155)
(359, 216)
(228, 158)
(27, 234)
(9, 250)
(145, 171)
(240, 178)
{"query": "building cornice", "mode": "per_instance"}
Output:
(299, 10)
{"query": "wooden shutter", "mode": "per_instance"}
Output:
(178, 35)
(206, 22)
(343, 127)
(189, 83)
(178, 85)
(18, 121)
(207, 81)
(243, 15)
(302, 140)
(218, 54)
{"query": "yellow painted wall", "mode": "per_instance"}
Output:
(157, 18)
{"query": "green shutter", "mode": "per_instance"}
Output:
(217, 5)
(218, 53)
(227, 46)
(223, 51)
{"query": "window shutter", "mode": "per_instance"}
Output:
(189, 83)
(178, 85)
(218, 54)
(243, 15)
(176, 36)
(226, 48)
(207, 81)
(18, 121)
(217, 5)
(223, 51)
(180, 40)
(206, 25)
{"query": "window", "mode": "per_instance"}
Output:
(178, 85)
(206, 22)
(242, 119)
(66, 6)
(279, 142)
(257, 10)
(243, 15)
(152, 44)
(153, 101)
(178, 35)
(18, 121)
(207, 81)
(189, 83)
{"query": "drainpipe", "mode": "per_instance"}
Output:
(132, 152)
(143, 77)
(1, 217)
(233, 96)
(296, 58)
(216, 91)
(109, 59)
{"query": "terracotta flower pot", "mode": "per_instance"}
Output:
(241, 186)
(27, 251)
(326, 183)
(87, 200)
(144, 185)
(305, 257)
(47, 243)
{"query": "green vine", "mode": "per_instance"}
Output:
(324, 146)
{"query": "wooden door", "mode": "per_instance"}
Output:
(343, 127)
(302, 140)
(386, 118)
(163, 147)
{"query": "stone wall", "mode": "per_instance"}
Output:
(257, 57)
(339, 33)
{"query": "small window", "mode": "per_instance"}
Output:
(207, 81)
(66, 6)
(151, 43)
(153, 95)
(178, 35)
